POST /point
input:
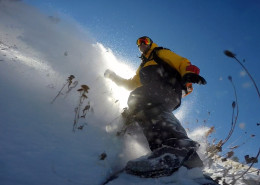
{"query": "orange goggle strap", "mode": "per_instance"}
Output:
(145, 40)
(189, 89)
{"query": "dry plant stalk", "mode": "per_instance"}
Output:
(69, 82)
(253, 161)
(210, 131)
(232, 55)
(83, 96)
(234, 117)
(85, 110)
(218, 147)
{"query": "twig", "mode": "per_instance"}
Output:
(70, 88)
(232, 55)
(254, 161)
(83, 91)
(234, 120)
(59, 93)
(69, 82)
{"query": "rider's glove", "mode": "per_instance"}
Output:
(193, 78)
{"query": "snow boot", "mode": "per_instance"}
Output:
(147, 166)
(162, 162)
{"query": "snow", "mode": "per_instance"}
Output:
(37, 144)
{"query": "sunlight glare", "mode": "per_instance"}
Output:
(119, 94)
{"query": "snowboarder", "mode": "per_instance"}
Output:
(158, 86)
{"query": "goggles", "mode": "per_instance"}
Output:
(145, 40)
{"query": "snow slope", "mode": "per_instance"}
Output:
(37, 144)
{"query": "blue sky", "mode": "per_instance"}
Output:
(198, 30)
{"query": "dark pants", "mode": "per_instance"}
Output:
(157, 100)
(161, 128)
(165, 130)
(155, 94)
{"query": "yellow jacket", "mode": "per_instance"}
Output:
(177, 62)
